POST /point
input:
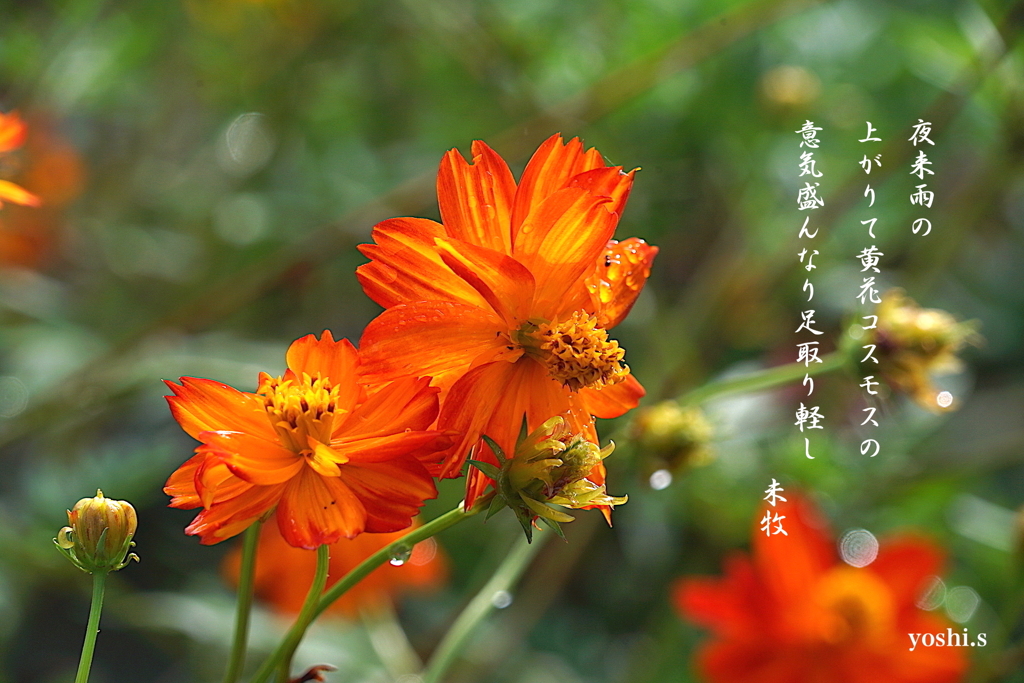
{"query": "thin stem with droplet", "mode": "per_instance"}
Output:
(503, 579)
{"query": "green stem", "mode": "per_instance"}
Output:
(308, 612)
(92, 630)
(504, 578)
(246, 576)
(298, 629)
(765, 379)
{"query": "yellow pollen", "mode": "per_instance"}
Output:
(298, 408)
(578, 353)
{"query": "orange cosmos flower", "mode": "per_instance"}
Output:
(796, 613)
(12, 136)
(508, 303)
(284, 573)
(334, 457)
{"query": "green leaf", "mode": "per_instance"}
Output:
(554, 526)
(487, 468)
(497, 503)
(498, 453)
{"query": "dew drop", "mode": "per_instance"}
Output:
(400, 556)
(944, 399)
(501, 599)
(858, 547)
(660, 480)
(961, 603)
(933, 595)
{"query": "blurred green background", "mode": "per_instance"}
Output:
(208, 167)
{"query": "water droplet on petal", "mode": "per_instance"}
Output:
(858, 547)
(933, 595)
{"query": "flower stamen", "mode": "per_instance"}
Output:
(577, 351)
(300, 408)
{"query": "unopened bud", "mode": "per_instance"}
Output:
(672, 437)
(552, 468)
(100, 534)
(911, 343)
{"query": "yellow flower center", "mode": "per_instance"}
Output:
(299, 409)
(576, 351)
(856, 606)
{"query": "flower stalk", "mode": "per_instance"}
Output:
(306, 616)
(504, 578)
(236, 660)
(99, 580)
(298, 630)
(766, 379)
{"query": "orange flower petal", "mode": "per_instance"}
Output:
(731, 606)
(438, 339)
(472, 403)
(315, 510)
(227, 518)
(613, 400)
(405, 266)
(610, 181)
(551, 168)
(506, 284)
(905, 564)
(406, 403)
(202, 405)
(560, 243)
(252, 458)
(181, 484)
(335, 360)
(622, 271)
(391, 492)
(476, 200)
(381, 448)
(789, 563)
(17, 194)
(325, 460)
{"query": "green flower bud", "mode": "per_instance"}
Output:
(672, 437)
(909, 344)
(99, 535)
(552, 469)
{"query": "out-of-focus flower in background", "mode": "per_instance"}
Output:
(335, 457)
(507, 303)
(284, 572)
(52, 167)
(913, 343)
(796, 612)
(672, 437)
(12, 136)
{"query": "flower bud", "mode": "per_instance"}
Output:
(552, 468)
(911, 343)
(672, 437)
(99, 535)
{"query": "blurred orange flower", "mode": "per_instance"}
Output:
(12, 136)
(334, 457)
(508, 302)
(54, 170)
(284, 573)
(795, 613)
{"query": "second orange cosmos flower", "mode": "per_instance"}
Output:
(336, 458)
